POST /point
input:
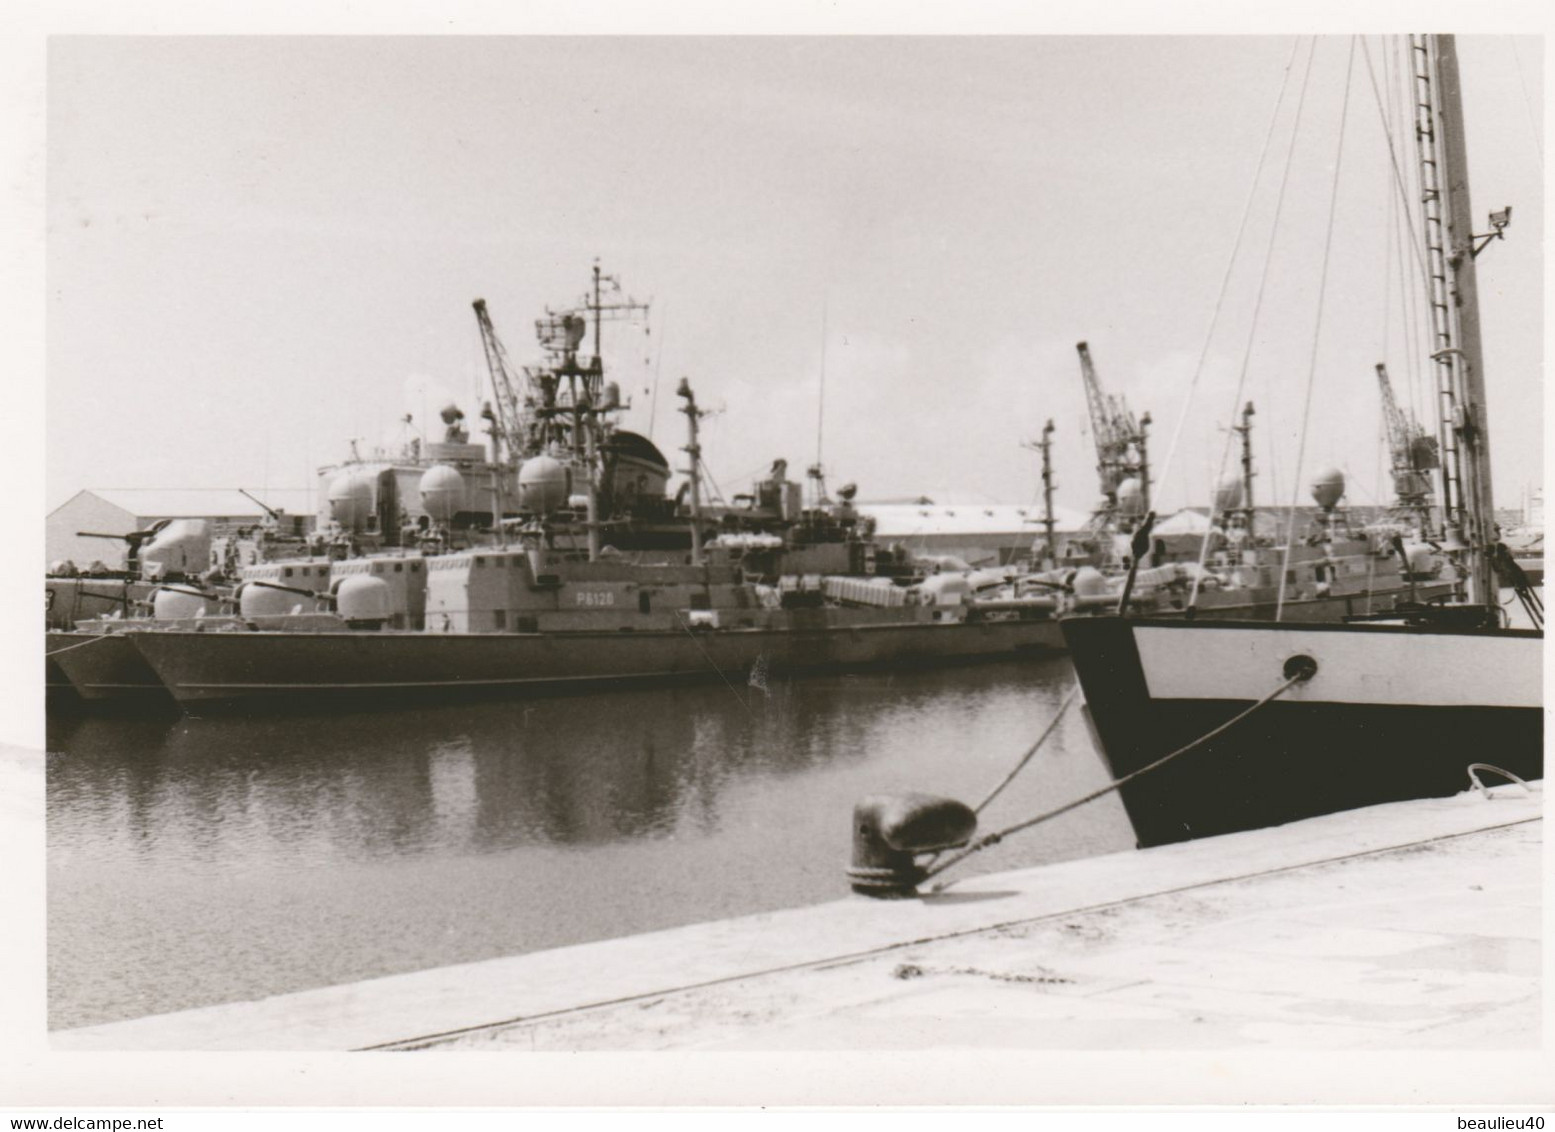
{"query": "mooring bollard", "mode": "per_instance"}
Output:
(889, 830)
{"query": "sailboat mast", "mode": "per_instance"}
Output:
(1245, 430)
(694, 450)
(1050, 554)
(1463, 352)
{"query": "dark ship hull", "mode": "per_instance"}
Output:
(205, 671)
(1393, 713)
(58, 693)
(100, 668)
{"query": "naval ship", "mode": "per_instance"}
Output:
(557, 558)
(1244, 565)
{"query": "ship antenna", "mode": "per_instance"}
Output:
(1051, 553)
(693, 449)
(658, 364)
(820, 408)
(818, 470)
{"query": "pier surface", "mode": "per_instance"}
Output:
(1415, 925)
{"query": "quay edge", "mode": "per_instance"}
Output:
(1322, 934)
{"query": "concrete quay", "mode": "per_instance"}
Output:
(1412, 926)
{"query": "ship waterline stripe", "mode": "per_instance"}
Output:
(371, 685)
(1356, 667)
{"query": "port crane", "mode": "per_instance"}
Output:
(1413, 455)
(1122, 454)
(506, 417)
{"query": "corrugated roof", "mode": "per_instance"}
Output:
(193, 502)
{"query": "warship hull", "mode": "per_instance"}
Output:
(205, 671)
(1393, 713)
(58, 693)
(116, 672)
(100, 669)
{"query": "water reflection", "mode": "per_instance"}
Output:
(331, 848)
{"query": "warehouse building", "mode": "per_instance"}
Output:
(977, 533)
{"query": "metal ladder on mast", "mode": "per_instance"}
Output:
(1443, 322)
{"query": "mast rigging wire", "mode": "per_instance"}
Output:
(1415, 345)
(1414, 240)
(1252, 330)
(1225, 281)
(653, 410)
(1407, 295)
(1533, 126)
(1317, 328)
(820, 411)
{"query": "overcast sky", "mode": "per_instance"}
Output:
(260, 248)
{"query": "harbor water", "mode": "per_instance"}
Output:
(197, 861)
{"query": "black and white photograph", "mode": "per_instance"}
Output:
(982, 565)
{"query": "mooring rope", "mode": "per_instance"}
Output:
(1024, 759)
(80, 644)
(712, 662)
(1030, 751)
(994, 838)
(1473, 768)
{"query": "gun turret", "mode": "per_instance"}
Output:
(268, 510)
(132, 540)
(131, 537)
